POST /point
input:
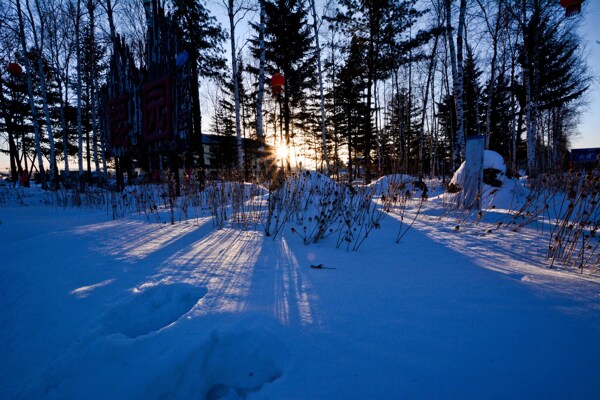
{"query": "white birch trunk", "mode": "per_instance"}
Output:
(320, 77)
(530, 113)
(93, 92)
(77, 20)
(236, 88)
(494, 32)
(64, 123)
(113, 39)
(424, 110)
(39, 46)
(36, 129)
(457, 78)
(261, 81)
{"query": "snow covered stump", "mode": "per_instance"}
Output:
(471, 178)
(492, 177)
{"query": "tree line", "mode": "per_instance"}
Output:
(371, 86)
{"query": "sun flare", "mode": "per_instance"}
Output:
(282, 151)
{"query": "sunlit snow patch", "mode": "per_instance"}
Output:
(152, 308)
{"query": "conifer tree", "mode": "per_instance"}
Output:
(472, 104)
(203, 38)
(288, 50)
(351, 111)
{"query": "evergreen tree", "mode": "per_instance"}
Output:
(401, 140)
(288, 50)
(472, 104)
(351, 110)
(203, 38)
(554, 77)
(382, 24)
(92, 56)
(500, 117)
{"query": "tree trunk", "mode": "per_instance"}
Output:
(196, 114)
(320, 77)
(456, 59)
(36, 129)
(261, 86)
(77, 22)
(530, 115)
(236, 89)
(94, 84)
(12, 147)
(424, 110)
(494, 33)
(39, 45)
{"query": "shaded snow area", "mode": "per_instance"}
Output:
(138, 308)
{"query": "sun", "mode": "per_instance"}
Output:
(282, 151)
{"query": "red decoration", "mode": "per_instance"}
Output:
(156, 110)
(118, 121)
(277, 82)
(572, 7)
(14, 69)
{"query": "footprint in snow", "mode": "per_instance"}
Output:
(152, 309)
(239, 363)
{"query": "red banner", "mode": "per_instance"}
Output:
(118, 120)
(156, 108)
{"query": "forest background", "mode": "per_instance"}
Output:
(579, 127)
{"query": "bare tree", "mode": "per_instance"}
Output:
(75, 15)
(456, 58)
(39, 42)
(261, 79)
(320, 78)
(236, 12)
(58, 31)
(28, 68)
(494, 30)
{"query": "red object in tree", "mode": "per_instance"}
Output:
(277, 82)
(572, 7)
(14, 69)
(24, 179)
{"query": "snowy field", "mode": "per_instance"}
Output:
(136, 307)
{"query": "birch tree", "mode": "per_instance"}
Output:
(236, 11)
(58, 31)
(91, 9)
(261, 79)
(494, 29)
(74, 8)
(39, 42)
(29, 71)
(320, 79)
(456, 57)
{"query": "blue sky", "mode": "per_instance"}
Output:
(589, 127)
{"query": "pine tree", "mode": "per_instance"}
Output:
(553, 74)
(500, 117)
(203, 38)
(351, 110)
(472, 105)
(288, 50)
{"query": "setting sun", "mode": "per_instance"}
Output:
(282, 151)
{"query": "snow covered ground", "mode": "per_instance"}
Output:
(96, 308)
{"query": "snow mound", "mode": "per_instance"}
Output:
(392, 182)
(510, 196)
(491, 159)
(152, 308)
